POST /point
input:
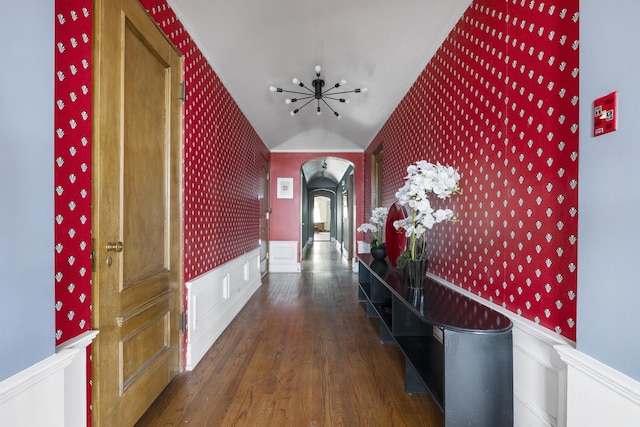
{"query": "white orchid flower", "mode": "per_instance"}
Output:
(424, 178)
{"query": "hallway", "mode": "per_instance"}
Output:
(301, 353)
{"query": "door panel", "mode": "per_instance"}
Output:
(136, 214)
(145, 212)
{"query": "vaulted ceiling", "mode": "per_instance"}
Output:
(379, 44)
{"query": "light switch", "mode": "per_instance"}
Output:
(605, 114)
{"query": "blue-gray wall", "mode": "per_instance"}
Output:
(26, 185)
(608, 318)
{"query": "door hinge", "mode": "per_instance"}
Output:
(181, 92)
(183, 321)
(267, 255)
(268, 176)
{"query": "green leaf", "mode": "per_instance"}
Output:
(403, 258)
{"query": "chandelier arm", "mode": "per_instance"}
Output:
(307, 88)
(333, 87)
(306, 103)
(301, 98)
(338, 93)
(332, 98)
(329, 106)
(293, 91)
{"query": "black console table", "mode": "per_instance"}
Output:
(455, 348)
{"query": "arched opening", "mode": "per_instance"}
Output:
(327, 204)
(323, 214)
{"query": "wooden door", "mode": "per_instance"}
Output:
(264, 216)
(136, 212)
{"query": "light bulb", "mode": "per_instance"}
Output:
(287, 101)
(347, 101)
(295, 81)
(293, 113)
(364, 90)
(272, 88)
(338, 116)
(318, 69)
(343, 82)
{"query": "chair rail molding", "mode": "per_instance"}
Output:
(597, 394)
(56, 387)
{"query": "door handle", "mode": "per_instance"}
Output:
(115, 246)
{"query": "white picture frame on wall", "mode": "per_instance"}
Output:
(285, 188)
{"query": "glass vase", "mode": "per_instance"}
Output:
(415, 271)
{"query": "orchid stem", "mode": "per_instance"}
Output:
(413, 239)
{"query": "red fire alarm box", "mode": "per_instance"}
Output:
(605, 114)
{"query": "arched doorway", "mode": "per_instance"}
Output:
(323, 208)
(327, 203)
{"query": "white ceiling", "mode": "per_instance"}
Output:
(380, 44)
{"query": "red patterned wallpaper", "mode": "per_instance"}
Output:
(73, 168)
(499, 101)
(221, 160)
(72, 150)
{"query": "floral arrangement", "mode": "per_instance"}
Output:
(422, 179)
(376, 225)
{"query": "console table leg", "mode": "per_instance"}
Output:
(412, 383)
(361, 295)
(385, 335)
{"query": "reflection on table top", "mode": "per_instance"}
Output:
(436, 303)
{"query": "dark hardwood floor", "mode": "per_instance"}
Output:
(302, 352)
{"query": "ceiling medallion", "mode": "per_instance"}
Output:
(317, 93)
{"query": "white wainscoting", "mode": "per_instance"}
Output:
(597, 394)
(75, 379)
(215, 298)
(35, 396)
(283, 256)
(50, 393)
(539, 374)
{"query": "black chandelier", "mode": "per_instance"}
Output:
(317, 93)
